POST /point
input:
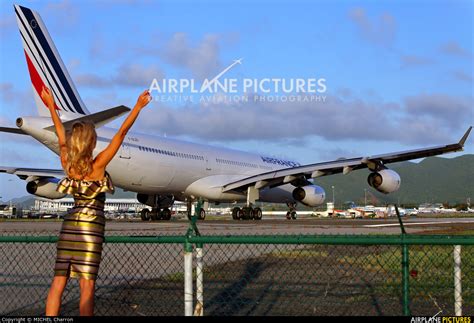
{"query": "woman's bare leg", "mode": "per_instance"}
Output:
(86, 303)
(53, 303)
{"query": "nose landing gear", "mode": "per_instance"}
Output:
(291, 214)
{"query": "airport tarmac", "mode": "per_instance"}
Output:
(268, 226)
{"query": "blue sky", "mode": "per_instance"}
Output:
(399, 74)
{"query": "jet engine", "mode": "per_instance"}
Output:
(44, 187)
(310, 195)
(385, 181)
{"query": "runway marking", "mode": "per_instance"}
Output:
(415, 223)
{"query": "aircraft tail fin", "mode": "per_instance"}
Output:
(46, 67)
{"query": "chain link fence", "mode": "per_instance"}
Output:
(252, 275)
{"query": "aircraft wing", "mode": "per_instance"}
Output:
(32, 173)
(305, 172)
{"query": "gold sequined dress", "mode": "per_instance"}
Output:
(79, 247)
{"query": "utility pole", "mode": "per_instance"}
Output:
(333, 198)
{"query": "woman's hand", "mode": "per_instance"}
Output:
(143, 99)
(47, 97)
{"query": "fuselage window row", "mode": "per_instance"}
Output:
(197, 157)
(170, 153)
(236, 163)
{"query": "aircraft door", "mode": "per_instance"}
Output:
(125, 149)
(208, 158)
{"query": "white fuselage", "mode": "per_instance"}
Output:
(157, 165)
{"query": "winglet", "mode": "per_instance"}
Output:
(464, 138)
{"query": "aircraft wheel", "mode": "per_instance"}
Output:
(166, 214)
(293, 215)
(247, 213)
(236, 213)
(257, 213)
(145, 214)
(155, 214)
(241, 214)
(202, 214)
(288, 215)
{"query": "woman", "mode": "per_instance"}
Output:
(79, 247)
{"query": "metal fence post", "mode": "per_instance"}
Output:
(199, 308)
(188, 278)
(405, 267)
(188, 269)
(406, 280)
(457, 281)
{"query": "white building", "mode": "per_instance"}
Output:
(43, 205)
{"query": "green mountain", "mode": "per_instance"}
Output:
(433, 180)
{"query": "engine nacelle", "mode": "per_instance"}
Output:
(45, 187)
(310, 195)
(385, 181)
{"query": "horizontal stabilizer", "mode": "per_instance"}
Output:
(12, 130)
(31, 173)
(98, 119)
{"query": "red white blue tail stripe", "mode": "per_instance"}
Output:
(45, 65)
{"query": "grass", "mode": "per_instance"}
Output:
(294, 254)
(431, 270)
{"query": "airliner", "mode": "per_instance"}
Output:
(164, 170)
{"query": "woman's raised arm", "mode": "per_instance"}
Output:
(48, 98)
(103, 159)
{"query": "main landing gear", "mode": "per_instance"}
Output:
(155, 214)
(291, 214)
(160, 210)
(246, 213)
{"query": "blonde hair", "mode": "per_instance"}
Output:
(81, 141)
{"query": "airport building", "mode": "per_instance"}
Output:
(118, 205)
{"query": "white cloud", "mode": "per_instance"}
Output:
(19, 102)
(422, 119)
(381, 31)
(414, 61)
(92, 80)
(7, 25)
(128, 75)
(454, 49)
(59, 16)
(201, 59)
(462, 76)
(137, 75)
(432, 108)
